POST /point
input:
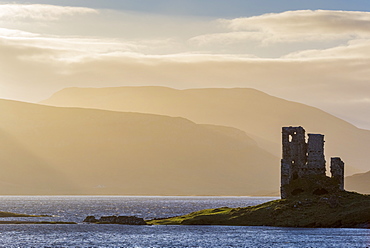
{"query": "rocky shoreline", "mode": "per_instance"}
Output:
(340, 209)
(36, 223)
(16, 215)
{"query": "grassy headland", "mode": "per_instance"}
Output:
(343, 209)
(10, 215)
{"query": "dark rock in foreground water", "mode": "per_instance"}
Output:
(123, 220)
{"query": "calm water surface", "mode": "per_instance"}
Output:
(76, 208)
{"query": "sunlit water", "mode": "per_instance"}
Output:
(76, 208)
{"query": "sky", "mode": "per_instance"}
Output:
(313, 52)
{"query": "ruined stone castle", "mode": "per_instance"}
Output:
(303, 159)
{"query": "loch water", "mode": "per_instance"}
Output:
(76, 208)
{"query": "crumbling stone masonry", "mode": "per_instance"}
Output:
(337, 171)
(301, 159)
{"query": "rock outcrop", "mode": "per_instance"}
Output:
(123, 220)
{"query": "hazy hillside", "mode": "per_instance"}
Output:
(51, 150)
(359, 182)
(260, 115)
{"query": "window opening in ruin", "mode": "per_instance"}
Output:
(290, 138)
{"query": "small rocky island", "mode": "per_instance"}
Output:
(309, 198)
(123, 220)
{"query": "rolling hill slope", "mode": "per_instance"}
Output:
(359, 182)
(260, 115)
(55, 150)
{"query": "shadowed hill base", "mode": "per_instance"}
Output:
(344, 209)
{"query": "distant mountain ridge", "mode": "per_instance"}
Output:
(57, 150)
(260, 115)
(359, 182)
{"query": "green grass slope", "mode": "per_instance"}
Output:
(345, 209)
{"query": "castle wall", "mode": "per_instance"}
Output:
(337, 171)
(285, 177)
(315, 156)
(294, 154)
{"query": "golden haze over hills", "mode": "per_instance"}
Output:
(359, 182)
(56, 150)
(260, 115)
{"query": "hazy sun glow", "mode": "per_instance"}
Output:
(317, 57)
(82, 61)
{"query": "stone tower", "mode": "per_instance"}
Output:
(294, 154)
(301, 159)
(337, 171)
(315, 156)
